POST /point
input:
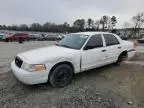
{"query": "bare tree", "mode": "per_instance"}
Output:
(126, 25)
(36, 27)
(90, 23)
(46, 26)
(127, 30)
(138, 21)
(23, 27)
(109, 23)
(104, 22)
(113, 21)
(97, 25)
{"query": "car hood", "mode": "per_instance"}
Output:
(42, 55)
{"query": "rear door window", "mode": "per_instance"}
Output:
(110, 39)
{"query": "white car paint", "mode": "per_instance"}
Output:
(80, 59)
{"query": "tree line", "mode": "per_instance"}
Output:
(103, 24)
(135, 25)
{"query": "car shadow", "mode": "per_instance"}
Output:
(11, 86)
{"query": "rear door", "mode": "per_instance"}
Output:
(93, 54)
(112, 47)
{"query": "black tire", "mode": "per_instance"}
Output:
(61, 76)
(121, 58)
(6, 40)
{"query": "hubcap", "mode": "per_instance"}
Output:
(62, 77)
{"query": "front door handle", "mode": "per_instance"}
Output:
(104, 50)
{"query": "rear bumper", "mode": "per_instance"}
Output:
(29, 78)
(131, 50)
(131, 53)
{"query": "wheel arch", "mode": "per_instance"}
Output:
(124, 53)
(63, 62)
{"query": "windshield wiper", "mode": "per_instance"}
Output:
(63, 45)
(57, 44)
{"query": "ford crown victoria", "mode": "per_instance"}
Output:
(75, 53)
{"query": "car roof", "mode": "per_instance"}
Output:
(92, 33)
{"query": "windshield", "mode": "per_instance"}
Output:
(74, 41)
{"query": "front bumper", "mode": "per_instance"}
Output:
(29, 78)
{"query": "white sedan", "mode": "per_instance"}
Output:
(77, 52)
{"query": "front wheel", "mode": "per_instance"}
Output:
(61, 76)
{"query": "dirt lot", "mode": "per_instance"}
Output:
(106, 87)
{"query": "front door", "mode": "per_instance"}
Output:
(93, 53)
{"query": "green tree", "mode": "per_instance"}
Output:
(79, 24)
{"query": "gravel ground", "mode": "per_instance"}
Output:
(140, 48)
(88, 90)
(106, 87)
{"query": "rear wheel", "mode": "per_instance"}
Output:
(122, 57)
(61, 76)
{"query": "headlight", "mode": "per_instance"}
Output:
(33, 67)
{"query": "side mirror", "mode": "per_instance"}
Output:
(88, 47)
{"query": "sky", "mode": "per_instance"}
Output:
(60, 11)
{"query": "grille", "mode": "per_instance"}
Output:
(18, 62)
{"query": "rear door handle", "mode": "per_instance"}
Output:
(103, 50)
(119, 47)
